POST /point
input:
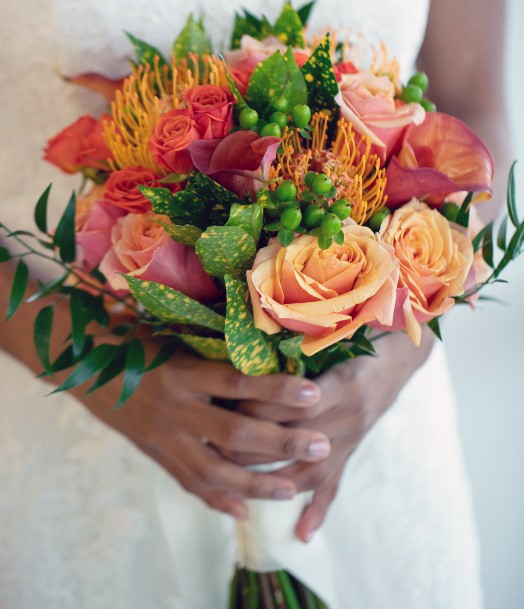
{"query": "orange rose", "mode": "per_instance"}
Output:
(212, 109)
(435, 260)
(121, 189)
(326, 295)
(171, 137)
(80, 145)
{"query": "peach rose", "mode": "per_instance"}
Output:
(80, 145)
(142, 248)
(368, 103)
(121, 189)
(212, 109)
(326, 295)
(171, 137)
(435, 261)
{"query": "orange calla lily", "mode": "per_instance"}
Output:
(99, 83)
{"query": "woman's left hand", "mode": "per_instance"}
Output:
(353, 397)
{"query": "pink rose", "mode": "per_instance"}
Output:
(212, 109)
(325, 294)
(142, 248)
(80, 145)
(368, 103)
(171, 138)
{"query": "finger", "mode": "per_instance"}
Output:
(237, 432)
(279, 414)
(214, 473)
(315, 513)
(222, 380)
(245, 459)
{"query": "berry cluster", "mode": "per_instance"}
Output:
(275, 118)
(415, 90)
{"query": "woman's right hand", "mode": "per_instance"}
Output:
(172, 419)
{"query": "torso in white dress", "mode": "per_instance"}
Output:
(88, 522)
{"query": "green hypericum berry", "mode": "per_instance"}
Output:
(279, 118)
(324, 242)
(339, 238)
(291, 218)
(428, 105)
(248, 118)
(341, 208)
(301, 116)
(286, 237)
(261, 123)
(270, 130)
(313, 216)
(321, 184)
(281, 105)
(421, 80)
(310, 176)
(287, 191)
(331, 225)
(450, 211)
(411, 93)
(375, 222)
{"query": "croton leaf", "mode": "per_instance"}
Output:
(320, 78)
(145, 52)
(276, 77)
(183, 207)
(247, 25)
(173, 307)
(248, 348)
(187, 234)
(210, 348)
(305, 11)
(193, 39)
(289, 28)
(226, 250)
(241, 103)
(248, 217)
(218, 199)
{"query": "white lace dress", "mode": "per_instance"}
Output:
(88, 522)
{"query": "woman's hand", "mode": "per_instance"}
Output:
(353, 397)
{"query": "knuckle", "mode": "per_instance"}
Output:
(290, 444)
(317, 477)
(207, 473)
(255, 487)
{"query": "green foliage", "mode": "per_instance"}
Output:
(289, 28)
(164, 354)
(145, 52)
(512, 199)
(320, 78)
(305, 12)
(5, 255)
(248, 348)
(187, 235)
(241, 103)
(64, 238)
(226, 250)
(246, 25)
(193, 39)
(172, 307)
(42, 336)
(133, 372)
(434, 326)
(463, 215)
(248, 217)
(18, 289)
(41, 210)
(214, 349)
(487, 246)
(277, 77)
(112, 370)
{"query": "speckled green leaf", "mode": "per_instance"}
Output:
(226, 250)
(145, 52)
(289, 28)
(247, 25)
(192, 39)
(218, 200)
(305, 11)
(248, 349)
(170, 306)
(184, 207)
(211, 348)
(321, 80)
(277, 77)
(187, 235)
(241, 103)
(248, 217)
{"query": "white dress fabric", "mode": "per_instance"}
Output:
(89, 522)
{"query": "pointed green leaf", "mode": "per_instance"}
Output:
(501, 237)
(41, 210)
(183, 207)
(5, 255)
(248, 217)
(477, 242)
(46, 289)
(487, 246)
(511, 198)
(98, 359)
(170, 306)
(20, 281)
(241, 103)
(165, 353)
(145, 52)
(109, 373)
(210, 348)
(134, 371)
(463, 215)
(289, 28)
(434, 326)
(305, 12)
(217, 199)
(187, 234)
(245, 26)
(248, 348)
(226, 250)
(320, 78)
(277, 77)
(193, 39)
(42, 336)
(64, 238)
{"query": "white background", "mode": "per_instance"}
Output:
(486, 353)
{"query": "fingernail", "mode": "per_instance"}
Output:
(284, 494)
(309, 393)
(319, 449)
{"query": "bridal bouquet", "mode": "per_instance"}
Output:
(281, 208)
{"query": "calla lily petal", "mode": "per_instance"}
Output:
(99, 83)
